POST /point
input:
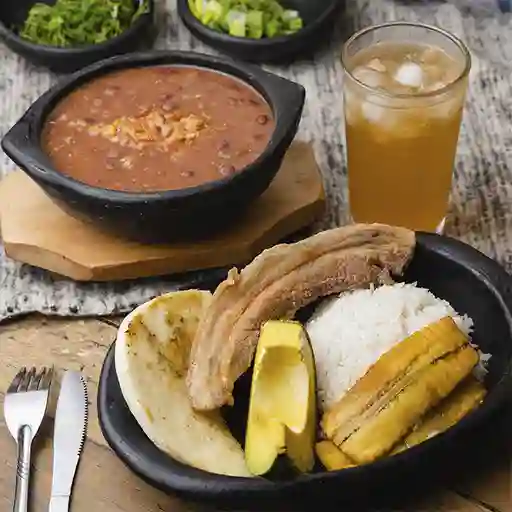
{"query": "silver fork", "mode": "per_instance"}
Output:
(24, 409)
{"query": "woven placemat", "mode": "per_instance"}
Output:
(481, 211)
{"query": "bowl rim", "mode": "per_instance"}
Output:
(58, 51)
(286, 99)
(193, 481)
(220, 37)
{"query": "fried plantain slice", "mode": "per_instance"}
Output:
(398, 390)
(332, 457)
(467, 397)
(410, 355)
(400, 412)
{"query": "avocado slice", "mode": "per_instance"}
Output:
(282, 407)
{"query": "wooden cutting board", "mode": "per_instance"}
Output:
(37, 232)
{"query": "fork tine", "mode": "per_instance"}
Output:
(28, 378)
(34, 383)
(46, 378)
(15, 384)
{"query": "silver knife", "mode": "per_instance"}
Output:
(68, 438)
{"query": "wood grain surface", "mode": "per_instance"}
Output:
(105, 485)
(83, 252)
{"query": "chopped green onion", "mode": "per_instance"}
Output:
(236, 23)
(247, 18)
(255, 24)
(272, 28)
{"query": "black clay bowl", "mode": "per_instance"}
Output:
(474, 285)
(168, 215)
(65, 60)
(319, 19)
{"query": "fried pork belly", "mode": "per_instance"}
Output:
(279, 282)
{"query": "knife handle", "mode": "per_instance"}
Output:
(59, 504)
(22, 469)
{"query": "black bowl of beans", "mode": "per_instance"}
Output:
(158, 146)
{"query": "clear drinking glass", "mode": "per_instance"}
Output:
(404, 92)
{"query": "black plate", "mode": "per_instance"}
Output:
(472, 283)
(319, 18)
(65, 60)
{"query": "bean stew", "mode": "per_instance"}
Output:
(157, 128)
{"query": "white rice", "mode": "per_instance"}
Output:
(350, 332)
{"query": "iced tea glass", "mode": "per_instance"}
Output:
(404, 91)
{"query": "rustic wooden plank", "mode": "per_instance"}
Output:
(448, 501)
(112, 320)
(67, 344)
(102, 482)
(493, 488)
(491, 481)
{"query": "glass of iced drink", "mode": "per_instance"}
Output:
(404, 91)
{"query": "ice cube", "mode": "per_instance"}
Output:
(391, 123)
(436, 86)
(377, 65)
(409, 74)
(369, 76)
(431, 56)
(431, 75)
(373, 112)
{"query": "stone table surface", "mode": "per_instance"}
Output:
(104, 484)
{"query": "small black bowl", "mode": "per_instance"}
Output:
(66, 60)
(160, 216)
(474, 285)
(319, 17)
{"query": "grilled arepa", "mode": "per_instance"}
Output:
(398, 390)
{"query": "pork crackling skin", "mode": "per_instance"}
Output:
(275, 285)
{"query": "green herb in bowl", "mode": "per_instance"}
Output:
(73, 23)
(247, 18)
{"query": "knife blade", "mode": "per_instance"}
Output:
(69, 435)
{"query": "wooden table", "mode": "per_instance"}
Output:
(105, 485)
